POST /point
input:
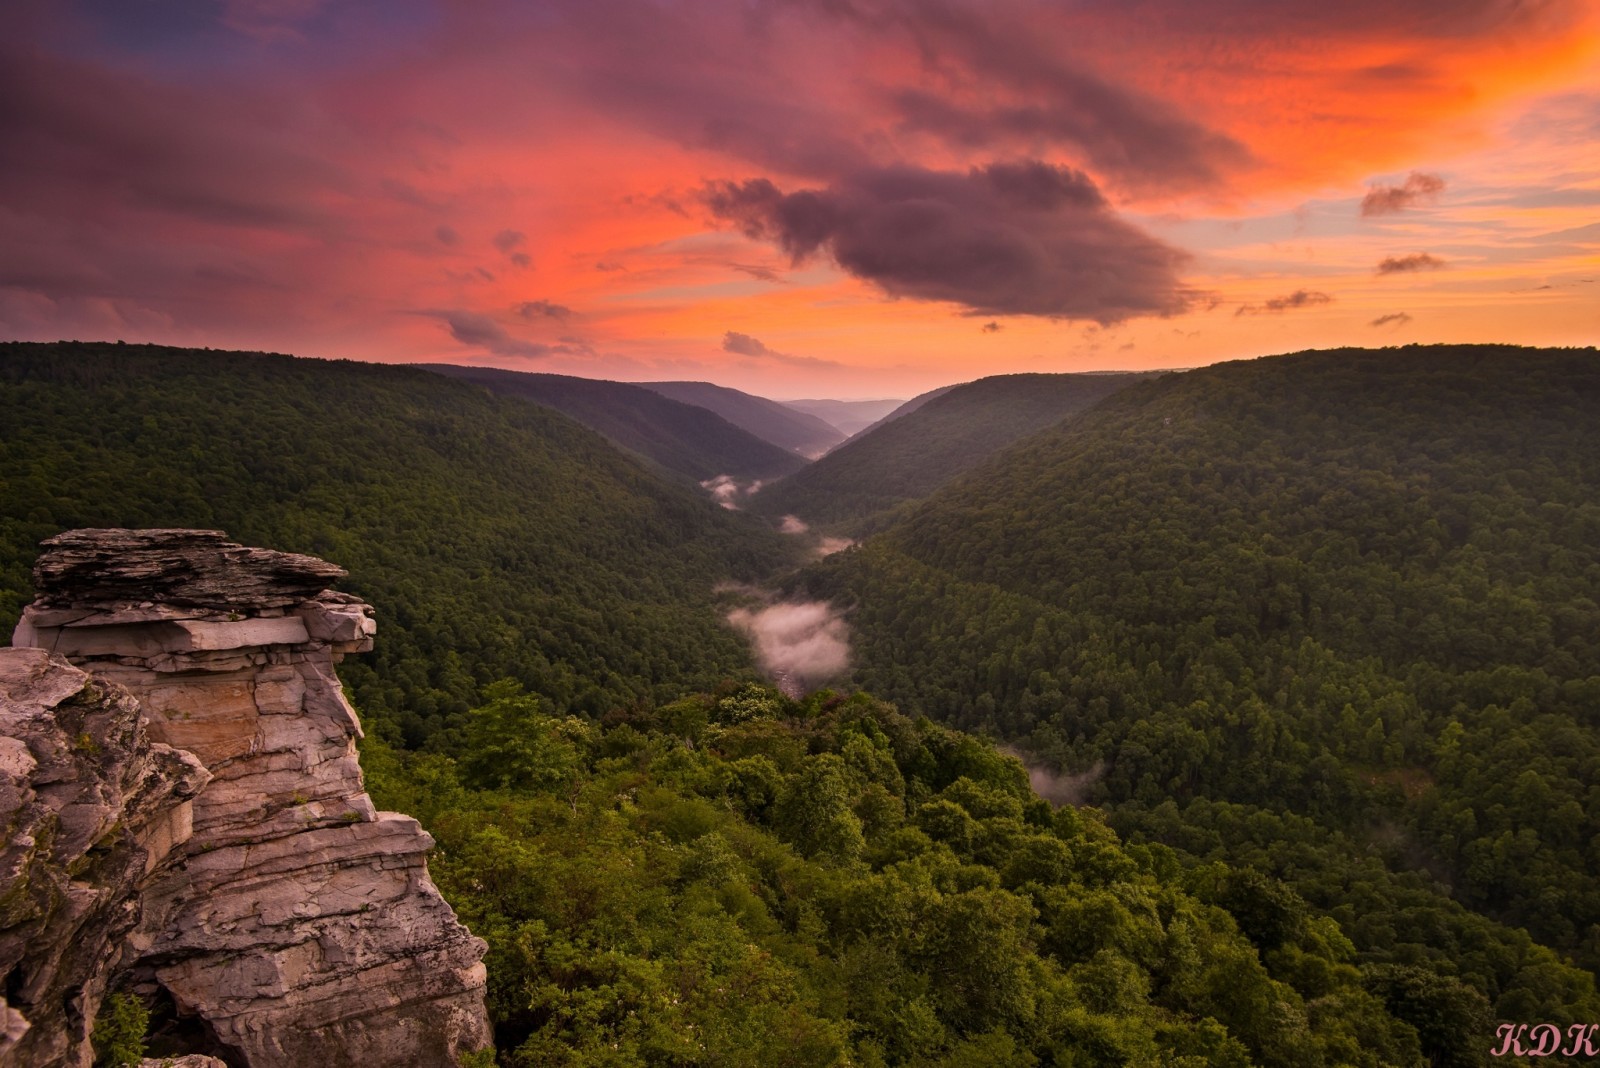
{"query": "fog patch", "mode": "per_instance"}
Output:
(829, 546)
(729, 491)
(800, 644)
(1058, 787)
(821, 544)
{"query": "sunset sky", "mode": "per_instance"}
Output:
(802, 198)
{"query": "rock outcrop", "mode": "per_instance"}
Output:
(92, 810)
(299, 925)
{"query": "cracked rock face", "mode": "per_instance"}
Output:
(92, 810)
(299, 924)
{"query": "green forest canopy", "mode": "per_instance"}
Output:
(1335, 614)
(496, 537)
(913, 455)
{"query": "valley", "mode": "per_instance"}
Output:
(1301, 650)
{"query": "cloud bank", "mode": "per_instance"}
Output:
(1027, 238)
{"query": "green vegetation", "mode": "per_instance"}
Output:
(1319, 633)
(495, 536)
(119, 1032)
(908, 458)
(736, 879)
(680, 437)
(1334, 615)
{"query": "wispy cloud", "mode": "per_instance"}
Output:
(741, 344)
(543, 309)
(482, 332)
(1300, 298)
(1388, 199)
(1416, 261)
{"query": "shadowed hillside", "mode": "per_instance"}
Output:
(498, 537)
(914, 454)
(1333, 614)
(680, 437)
(797, 431)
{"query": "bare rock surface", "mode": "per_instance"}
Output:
(92, 810)
(197, 568)
(300, 926)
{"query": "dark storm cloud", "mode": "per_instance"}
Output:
(1136, 141)
(76, 137)
(1036, 98)
(1389, 199)
(1300, 298)
(1006, 239)
(1416, 261)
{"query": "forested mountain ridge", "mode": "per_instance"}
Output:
(681, 437)
(799, 432)
(1335, 614)
(500, 538)
(908, 407)
(911, 455)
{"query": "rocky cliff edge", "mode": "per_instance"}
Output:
(240, 877)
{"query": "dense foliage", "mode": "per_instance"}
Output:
(680, 437)
(496, 537)
(735, 879)
(1335, 615)
(918, 452)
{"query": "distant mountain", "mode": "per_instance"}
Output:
(950, 431)
(681, 437)
(495, 537)
(907, 408)
(848, 417)
(799, 432)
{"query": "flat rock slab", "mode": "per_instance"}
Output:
(123, 568)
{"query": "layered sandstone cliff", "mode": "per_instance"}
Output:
(91, 811)
(298, 925)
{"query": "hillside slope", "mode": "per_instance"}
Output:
(497, 537)
(799, 432)
(1336, 613)
(913, 455)
(847, 417)
(908, 407)
(680, 437)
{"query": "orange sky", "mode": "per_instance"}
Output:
(842, 198)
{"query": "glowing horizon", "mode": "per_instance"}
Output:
(802, 198)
